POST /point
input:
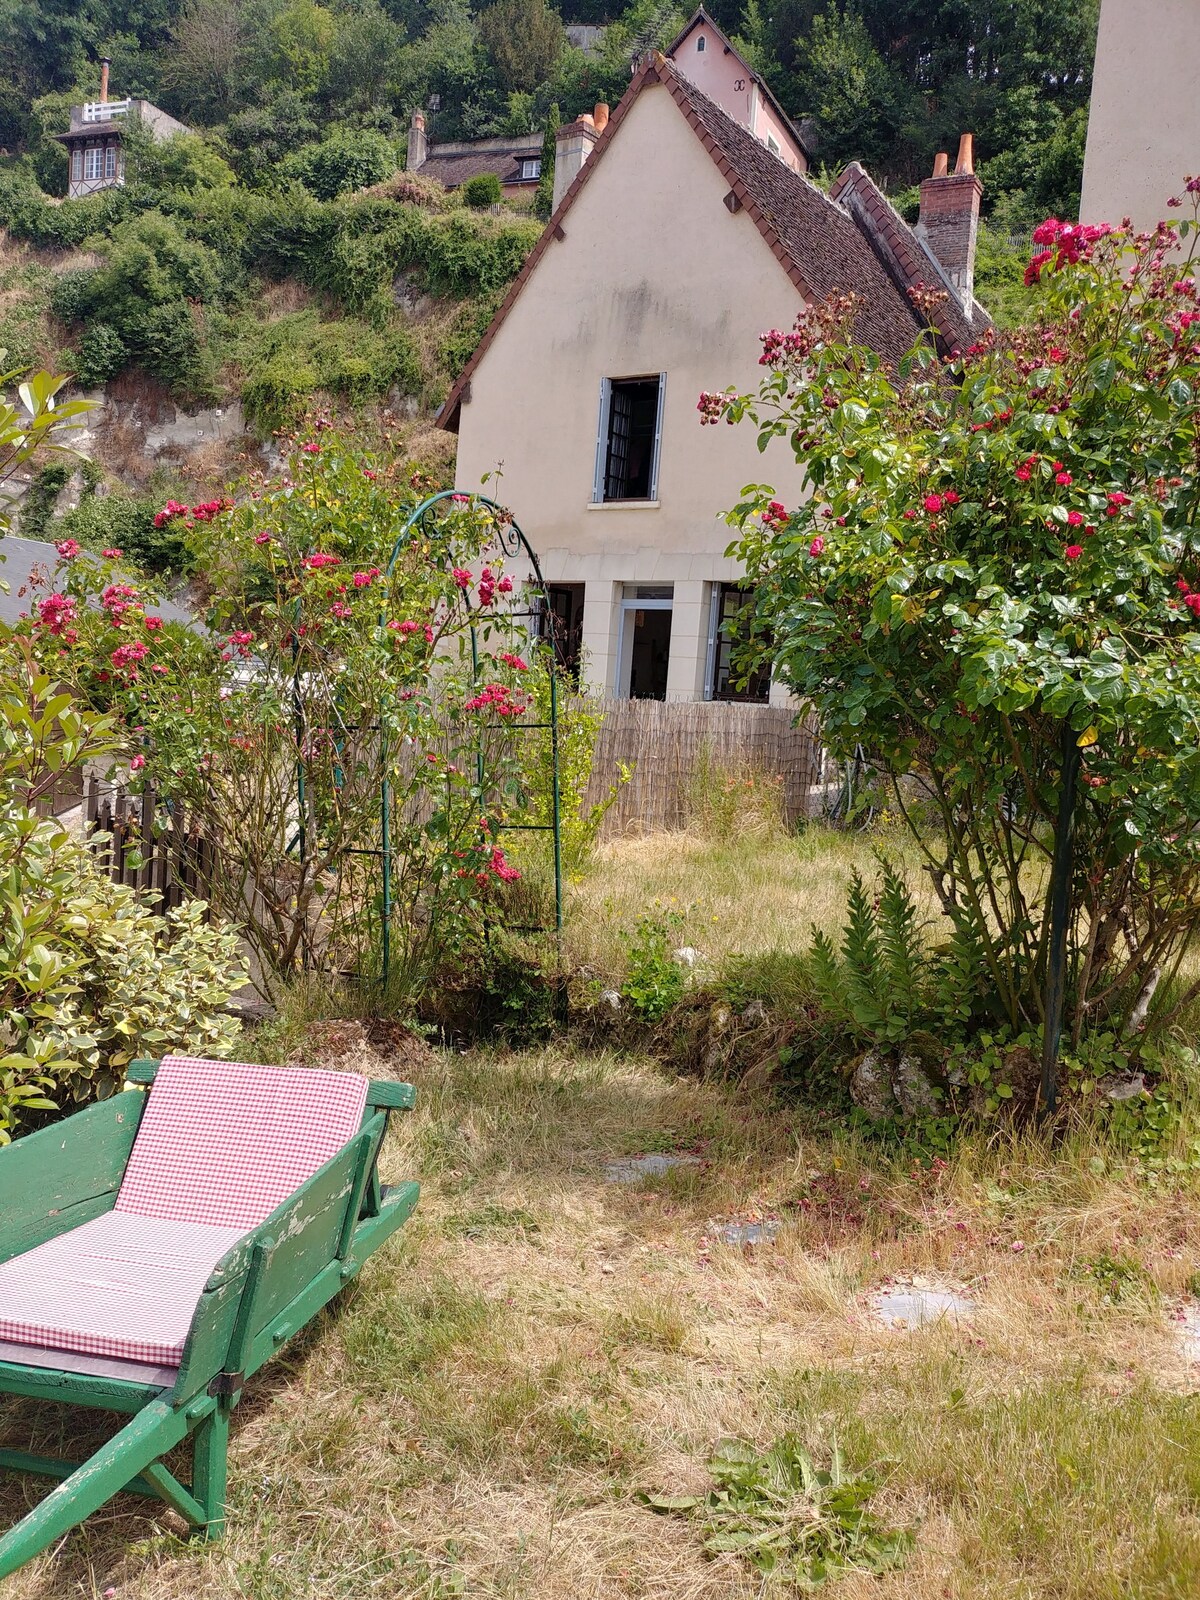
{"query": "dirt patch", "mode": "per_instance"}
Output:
(382, 1049)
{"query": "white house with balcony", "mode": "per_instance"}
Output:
(94, 139)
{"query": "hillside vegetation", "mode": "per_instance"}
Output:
(278, 252)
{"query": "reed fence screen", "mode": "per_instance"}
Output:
(671, 744)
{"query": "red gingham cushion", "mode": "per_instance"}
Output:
(224, 1142)
(120, 1285)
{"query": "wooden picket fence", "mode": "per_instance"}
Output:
(673, 744)
(147, 845)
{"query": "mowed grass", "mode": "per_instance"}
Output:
(478, 1413)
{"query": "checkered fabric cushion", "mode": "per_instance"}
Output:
(122, 1286)
(223, 1143)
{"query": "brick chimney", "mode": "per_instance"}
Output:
(573, 144)
(105, 64)
(949, 216)
(418, 147)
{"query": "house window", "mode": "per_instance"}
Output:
(731, 626)
(772, 145)
(110, 161)
(644, 648)
(76, 166)
(561, 624)
(93, 162)
(629, 438)
(532, 168)
(701, 45)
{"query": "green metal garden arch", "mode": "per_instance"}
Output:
(512, 542)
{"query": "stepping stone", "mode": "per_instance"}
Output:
(632, 1169)
(1188, 1322)
(748, 1233)
(910, 1305)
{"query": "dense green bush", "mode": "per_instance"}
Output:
(147, 296)
(100, 354)
(349, 159)
(126, 522)
(30, 216)
(352, 248)
(286, 363)
(482, 190)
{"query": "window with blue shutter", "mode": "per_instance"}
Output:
(629, 438)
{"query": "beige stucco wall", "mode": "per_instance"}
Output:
(726, 79)
(1144, 125)
(653, 275)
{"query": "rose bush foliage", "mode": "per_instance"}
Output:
(988, 568)
(320, 676)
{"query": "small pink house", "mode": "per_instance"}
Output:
(705, 57)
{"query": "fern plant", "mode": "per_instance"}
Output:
(885, 984)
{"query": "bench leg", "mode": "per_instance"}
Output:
(210, 1455)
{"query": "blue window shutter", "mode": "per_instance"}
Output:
(658, 425)
(602, 439)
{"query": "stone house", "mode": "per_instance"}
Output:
(517, 161)
(680, 235)
(94, 139)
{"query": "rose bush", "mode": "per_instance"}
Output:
(330, 710)
(986, 573)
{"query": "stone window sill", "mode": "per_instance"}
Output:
(622, 505)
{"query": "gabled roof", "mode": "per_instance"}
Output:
(905, 253)
(699, 16)
(821, 245)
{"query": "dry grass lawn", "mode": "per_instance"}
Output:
(477, 1415)
(748, 895)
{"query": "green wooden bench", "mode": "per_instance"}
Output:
(128, 1167)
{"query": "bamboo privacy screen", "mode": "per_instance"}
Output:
(665, 742)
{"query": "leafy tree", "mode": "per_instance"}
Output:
(995, 589)
(523, 39)
(205, 71)
(258, 139)
(183, 164)
(362, 58)
(301, 35)
(843, 81)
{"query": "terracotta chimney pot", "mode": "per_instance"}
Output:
(941, 164)
(600, 116)
(966, 155)
(105, 63)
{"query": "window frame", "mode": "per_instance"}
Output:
(712, 665)
(600, 472)
(93, 163)
(77, 164)
(630, 602)
(701, 45)
(531, 168)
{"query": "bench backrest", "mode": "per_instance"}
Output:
(225, 1142)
